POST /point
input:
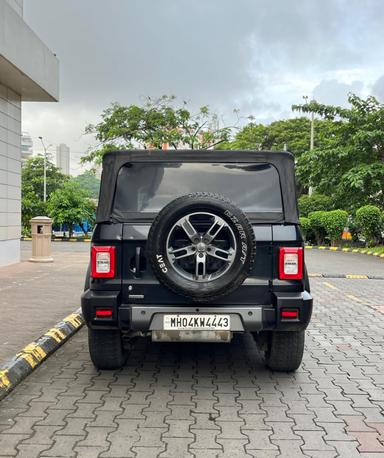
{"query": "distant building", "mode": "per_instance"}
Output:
(63, 157)
(26, 146)
(29, 72)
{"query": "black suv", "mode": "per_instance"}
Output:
(194, 246)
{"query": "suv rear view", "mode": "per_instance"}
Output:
(196, 246)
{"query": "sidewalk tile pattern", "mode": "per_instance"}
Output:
(213, 400)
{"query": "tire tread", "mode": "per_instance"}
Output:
(106, 348)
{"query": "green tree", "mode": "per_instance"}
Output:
(291, 134)
(89, 183)
(156, 123)
(287, 134)
(70, 205)
(350, 164)
(32, 188)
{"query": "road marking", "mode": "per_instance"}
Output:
(356, 276)
(329, 285)
(354, 298)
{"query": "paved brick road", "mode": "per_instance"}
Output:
(214, 400)
(34, 297)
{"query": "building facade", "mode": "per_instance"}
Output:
(26, 147)
(29, 71)
(63, 156)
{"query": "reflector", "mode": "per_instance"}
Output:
(103, 313)
(292, 314)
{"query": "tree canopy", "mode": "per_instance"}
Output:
(350, 164)
(155, 124)
(70, 205)
(32, 187)
(89, 183)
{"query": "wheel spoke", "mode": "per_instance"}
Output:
(216, 227)
(223, 255)
(189, 229)
(180, 253)
(201, 261)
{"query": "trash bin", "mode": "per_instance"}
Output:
(41, 239)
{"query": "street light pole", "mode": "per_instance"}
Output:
(45, 169)
(312, 138)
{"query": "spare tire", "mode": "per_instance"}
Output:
(201, 246)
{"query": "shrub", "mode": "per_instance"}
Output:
(317, 221)
(370, 221)
(306, 228)
(314, 202)
(334, 223)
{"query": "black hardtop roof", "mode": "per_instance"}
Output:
(283, 161)
(197, 155)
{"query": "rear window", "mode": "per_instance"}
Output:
(148, 187)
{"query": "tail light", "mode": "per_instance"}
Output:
(291, 263)
(103, 261)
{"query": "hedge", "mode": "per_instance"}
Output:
(314, 202)
(369, 220)
(322, 225)
(334, 223)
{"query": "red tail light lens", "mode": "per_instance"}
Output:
(291, 263)
(103, 261)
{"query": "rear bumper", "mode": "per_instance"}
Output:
(253, 318)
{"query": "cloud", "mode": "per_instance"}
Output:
(334, 92)
(378, 88)
(256, 55)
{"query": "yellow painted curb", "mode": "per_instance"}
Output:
(333, 248)
(322, 247)
(4, 380)
(308, 247)
(33, 354)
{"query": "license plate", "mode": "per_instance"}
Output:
(198, 322)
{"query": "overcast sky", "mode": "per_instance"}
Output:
(259, 56)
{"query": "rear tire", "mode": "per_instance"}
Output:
(284, 350)
(106, 349)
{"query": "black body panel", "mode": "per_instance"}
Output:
(135, 294)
